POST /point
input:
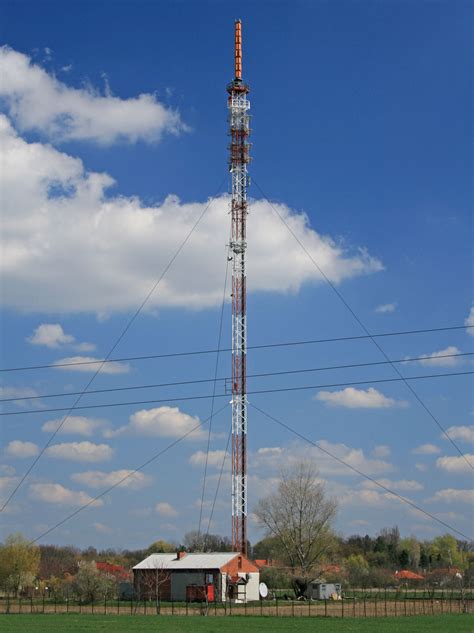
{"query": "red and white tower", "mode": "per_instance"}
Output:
(239, 158)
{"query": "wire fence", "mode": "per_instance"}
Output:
(353, 604)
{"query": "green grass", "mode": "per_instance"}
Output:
(73, 623)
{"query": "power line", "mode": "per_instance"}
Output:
(359, 472)
(125, 477)
(224, 395)
(226, 378)
(365, 329)
(114, 346)
(59, 365)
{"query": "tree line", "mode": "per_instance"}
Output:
(299, 544)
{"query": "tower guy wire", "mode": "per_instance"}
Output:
(154, 457)
(365, 329)
(211, 515)
(359, 472)
(112, 349)
(216, 369)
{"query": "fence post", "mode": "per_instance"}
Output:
(31, 604)
(19, 606)
(292, 607)
(261, 605)
(365, 605)
(105, 604)
(172, 606)
(405, 603)
(309, 606)
(186, 605)
(376, 596)
(342, 607)
(118, 606)
(442, 600)
(43, 601)
(92, 605)
(276, 602)
(131, 606)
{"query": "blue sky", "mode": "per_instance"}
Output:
(113, 129)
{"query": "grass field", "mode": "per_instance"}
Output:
(175, 624)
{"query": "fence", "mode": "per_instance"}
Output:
(354, 604)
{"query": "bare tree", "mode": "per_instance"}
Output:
(299, 516)
(151, 582)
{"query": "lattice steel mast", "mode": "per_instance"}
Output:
(238, 161)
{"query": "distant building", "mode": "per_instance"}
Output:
(180, 577)
(406, 574)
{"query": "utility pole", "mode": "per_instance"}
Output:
(239, 158)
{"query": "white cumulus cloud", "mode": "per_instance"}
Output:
(161, 422)
(453, 495)
(20, 449)
(398, 485)
(386, 308)
(426, 449)
(38, 101)
(215, 458)
(100, 479)
(20, 395)
(75, 425)
(442, 358)
(352, 398)
(166, 509)
(463, 433)
(81, 451)
(381, 451)
(52, 335)
(59, 495)
(88, 251)
(456, 464)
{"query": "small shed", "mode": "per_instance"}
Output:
(318, 590)
(212, 577)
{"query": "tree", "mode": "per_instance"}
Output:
(357, 569)
(198, 542)
(90, 584)
(412, 549)
(57, 561)
(161, 547)
(299, 516)
(19, 563)
(444, 550)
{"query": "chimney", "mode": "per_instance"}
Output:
(180, 555)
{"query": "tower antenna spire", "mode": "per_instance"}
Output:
(239, 158)
(238, 49)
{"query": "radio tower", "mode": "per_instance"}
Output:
(238, 160)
